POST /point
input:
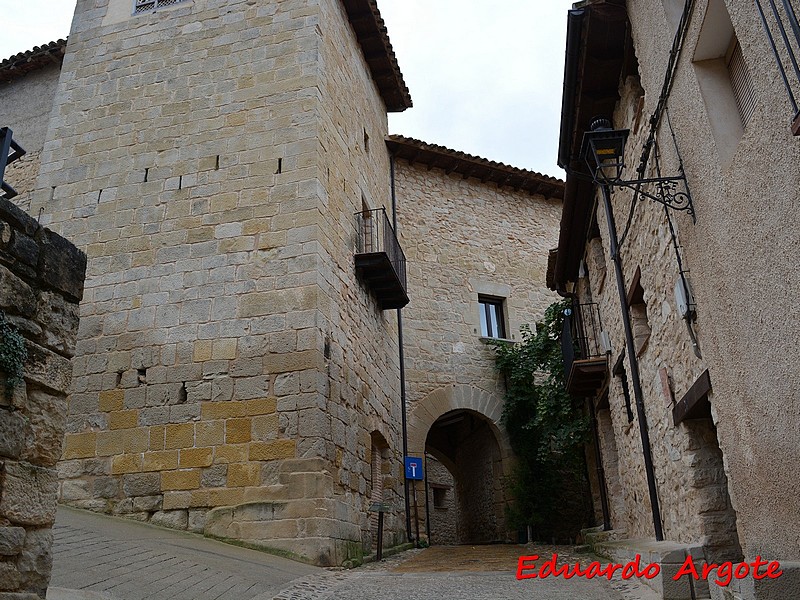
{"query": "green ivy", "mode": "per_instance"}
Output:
(13, 354)
(548, 431)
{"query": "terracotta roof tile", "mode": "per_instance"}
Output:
(373, 38)
(24, 62)
(468, 165)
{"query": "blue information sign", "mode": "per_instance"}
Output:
(414, 468)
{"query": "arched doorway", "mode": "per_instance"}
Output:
(469, 459)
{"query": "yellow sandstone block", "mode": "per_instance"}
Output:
(123, 419)
(179, 435)
(136, 440)
(199, 498)
(230, 454)
(175, 500)
(160, 461)
(237, 431)
(221, 410)
(109, 443)
(272, 450)
(202, 350)
(262, 406)
(157, 433)
(209, 433)
(224, 349)
(196, 457)
(225, 497)
(126, 463)
(266, 427)
(80, 445)
(244, 474)
(180, 480)
(112, 400)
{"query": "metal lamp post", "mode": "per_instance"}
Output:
(604, 152)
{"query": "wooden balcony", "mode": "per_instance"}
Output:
(379, 260)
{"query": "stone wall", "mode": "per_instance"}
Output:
(668, 368)
(741, 256)
(443, 502)
(463, 238)
(230, 368)
(717, 479)
(41, 283)
(25, 105)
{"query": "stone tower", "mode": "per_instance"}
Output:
(233, 375)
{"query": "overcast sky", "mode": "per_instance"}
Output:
(485, 75)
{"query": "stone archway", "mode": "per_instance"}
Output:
(460, 427)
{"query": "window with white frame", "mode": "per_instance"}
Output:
(492, 317)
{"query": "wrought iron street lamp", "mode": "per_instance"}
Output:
(604, 152)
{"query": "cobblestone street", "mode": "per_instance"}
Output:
(103, 558)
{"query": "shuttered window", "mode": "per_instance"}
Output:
(741, 82)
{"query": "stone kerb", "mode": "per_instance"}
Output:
(41, 284)
(457, 397)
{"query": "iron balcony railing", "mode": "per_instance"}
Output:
(783, 32)
(582, 345)
(380, 259)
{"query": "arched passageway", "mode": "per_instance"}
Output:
(468, 460)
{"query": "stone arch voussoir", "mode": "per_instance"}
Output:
(457, 397)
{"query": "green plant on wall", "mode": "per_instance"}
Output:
(13, 354)
(548, 431)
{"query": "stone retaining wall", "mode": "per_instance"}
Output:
(41, 283)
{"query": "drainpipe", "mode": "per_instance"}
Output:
(402, 370)
(634, 363)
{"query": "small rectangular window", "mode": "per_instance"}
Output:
(491, 316)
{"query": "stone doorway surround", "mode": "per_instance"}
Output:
(479, 404)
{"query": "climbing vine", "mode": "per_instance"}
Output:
(547, 430)
(13, 354)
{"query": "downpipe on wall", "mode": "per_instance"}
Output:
(634, 363)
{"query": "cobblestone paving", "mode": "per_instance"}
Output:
(462, 572)
(102, 558)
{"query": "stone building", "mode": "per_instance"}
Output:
(237, 370)
(477, 254)
(710, 294)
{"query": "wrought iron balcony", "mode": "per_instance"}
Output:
(585, 356)
(379, 259)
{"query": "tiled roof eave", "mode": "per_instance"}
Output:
(37, 58)
(470, 166)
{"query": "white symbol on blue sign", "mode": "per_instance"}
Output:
(414, 468)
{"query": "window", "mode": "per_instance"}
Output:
(491, 315)
(141, 6)
(619, 371)
(439, 497)
(741, 82)
(724, 79)
(638, 309)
